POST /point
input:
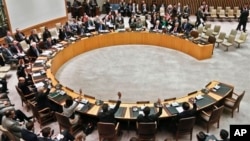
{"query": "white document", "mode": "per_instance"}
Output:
(84, 101)
(39, 61)
(36, 74)
(179, 109)
(112, 106)
(39, 84)
(175, 104)
(79, 106)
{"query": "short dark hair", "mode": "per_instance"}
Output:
(201, 136)
(68, 102)
(223, 134)
(146, 110)
(105, 107)
(185, 105)
(29, 125)
(46, 131)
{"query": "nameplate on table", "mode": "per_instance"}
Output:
(221, 89)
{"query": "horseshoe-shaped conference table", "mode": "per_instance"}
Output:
(213, 93)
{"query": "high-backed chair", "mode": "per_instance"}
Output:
(108, 131)
(24, 45)
(200, 30)
(213, 14)
(25, 98)
(216, 30)
(220, 38)
(208, 33)
(64, 123)
(242, 39)
(44, 116)
(232, 103)
(211, 116)
(146, 130)
(54, 33)
(232, 32)
(227, 8)
(185, 126)
(42, 29)
(58, 26)
(218, 9)
(206, 27)
(235, 9)
(222, 14)
(229, 42)
(230, 14)
(238, 13)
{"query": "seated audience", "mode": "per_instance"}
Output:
(34, 36)
(34, 51)
(147, 117)
(16, 48)
(108, 115)
(9, 38)
(47, 134)
(28, 132)
(8, 56)
(69, 110)
(20, 36)
(49, 43)
(46, 34)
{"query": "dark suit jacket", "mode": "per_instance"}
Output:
(24, 88)
(109, 116)
(32, 52)
(18, 37)
(187, 113)
(44, 139)
(14, 50)
(149, 118)
(42, 100)
(28, 136)
(34, 38)
(8, 40)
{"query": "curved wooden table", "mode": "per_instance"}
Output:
(163, 40)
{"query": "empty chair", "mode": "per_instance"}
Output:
(58, 26)
(218, 9)
(238, 13)
(211, 116)
(185, 126)
(211, 8)
(107, 131)
(207, 26)
(222, 14)
(229, 42)
(216, 30)
(236, 8)
(42, 29)
(230, 14)
(232, 32)
(207, 34)
(227, 8)
(232, 103)
(146, 130)
(242, 39)
(213, 14)
(220, 38)
(54, 33)
(24, 45)
(200, 30)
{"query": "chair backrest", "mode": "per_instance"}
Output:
(230, 12)
(218, 9)
(19, 91)
(222, 12)
(58, 26)
(63, 121)
(211, 40)
(10, 136)
(146, 130)
(231, 39)
(42, 29)
(24, 45)
(215, 115)
(236, 8)
(222, 35)
(209, 32)
(207, 26)
(200, 29)
(106, 129)
(217, 28)
(227, 8)
(213, 12)
(243, 36)
(238, 100)
(186, 125)
(233, 32)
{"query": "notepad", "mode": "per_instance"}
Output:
(36, 74)
(39, 84)
(198, 97)
(175, 104)
(179, 109)
(216, 87)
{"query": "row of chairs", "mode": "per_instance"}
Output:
(228, 12)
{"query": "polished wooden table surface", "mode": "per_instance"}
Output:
(126, 111)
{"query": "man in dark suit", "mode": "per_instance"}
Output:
(34, 37)
(243, 18)
(16, 48)
(8, 56)
(9, 38)
(187, 111)
(42, 98)
(145, 117)
(49, 43)
(34, 51)
(20, 36)
(108, 115)
(28, 133)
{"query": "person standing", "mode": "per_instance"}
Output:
(243, 18)
(199, 17)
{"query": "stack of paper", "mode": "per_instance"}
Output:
(198, 97)
(179, 109)
(39, 61)
(112, 106)
(84, 101)
(175, 104)
(36, 74)
(39, 84)
(62, 93)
